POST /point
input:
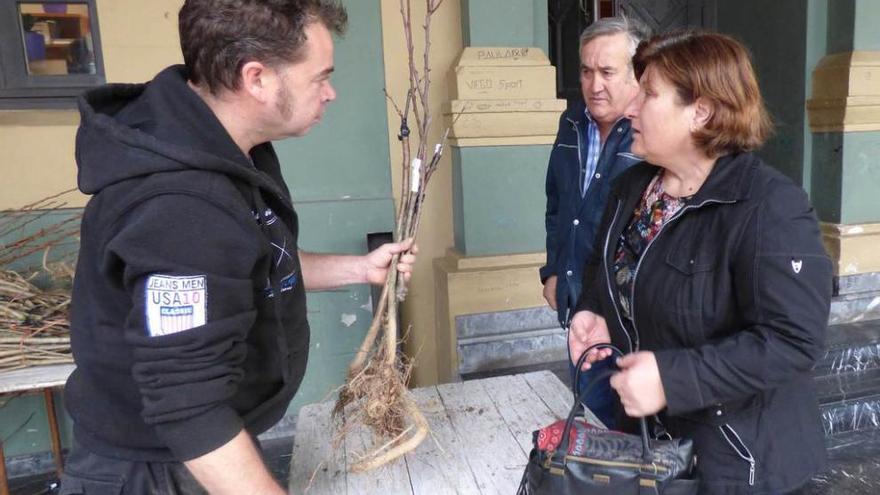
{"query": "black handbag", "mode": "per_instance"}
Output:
(583, 459)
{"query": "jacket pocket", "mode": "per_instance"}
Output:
(726, 444)
(691, 263)
(78, 484)
(735, 442)
(689, 295)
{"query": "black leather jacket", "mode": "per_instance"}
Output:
(732, 296)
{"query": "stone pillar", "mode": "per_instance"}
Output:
(505, 23)
(503, 116)
(503, 121)
(844, 113)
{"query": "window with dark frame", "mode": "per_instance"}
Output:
(50, 52)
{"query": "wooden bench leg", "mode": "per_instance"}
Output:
(4, 483)
(53, 430)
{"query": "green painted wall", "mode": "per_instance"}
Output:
(846, 181)
(339, 319)
(24, 427)
(780, 29)
(846, 174)
(346, 155)
(340, 179)
(816, 48)
(505, 23)
(827, 186)
(499, 202)
(498, 191)
(866, 35)
(861, 177)
(852, 25)
(861, 150)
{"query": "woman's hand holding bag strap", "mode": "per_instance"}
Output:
(583, 459)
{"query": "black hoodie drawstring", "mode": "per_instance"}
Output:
(274, 285)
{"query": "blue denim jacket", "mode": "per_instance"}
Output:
(571, 220)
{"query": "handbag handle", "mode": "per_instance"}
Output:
(579, 398)
(580, 362)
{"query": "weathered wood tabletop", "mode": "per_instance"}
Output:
(35, 378)
(481, 434)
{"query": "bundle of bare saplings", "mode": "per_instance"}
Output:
(34, 292)
(375, 394)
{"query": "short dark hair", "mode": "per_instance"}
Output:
(717, 68)
(218, 37)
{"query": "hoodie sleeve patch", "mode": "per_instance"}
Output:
(175, 304)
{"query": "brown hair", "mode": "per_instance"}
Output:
(218, 37)
(717, 68)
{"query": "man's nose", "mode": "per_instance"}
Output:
(596, 84)
(632, 110)
(330, 93)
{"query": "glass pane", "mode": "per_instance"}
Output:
(57, 38)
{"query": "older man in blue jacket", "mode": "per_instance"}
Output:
(592, 148)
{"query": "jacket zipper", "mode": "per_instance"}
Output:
(632, 465)
(747, 456)
(632, 300)
(608, 277)
(581, 168)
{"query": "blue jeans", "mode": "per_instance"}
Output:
(602, 398)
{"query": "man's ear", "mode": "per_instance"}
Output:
(703, 111)
(257, 80)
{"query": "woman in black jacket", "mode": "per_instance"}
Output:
(711, 274)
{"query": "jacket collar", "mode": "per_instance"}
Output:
(730, 178)
(578, 114)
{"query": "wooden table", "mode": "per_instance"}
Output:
(38, 379)
(481, 434)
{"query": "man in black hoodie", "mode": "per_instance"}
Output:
(189, 320)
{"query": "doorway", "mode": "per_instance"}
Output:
(568, 18)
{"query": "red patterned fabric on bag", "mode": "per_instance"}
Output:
(550, 436)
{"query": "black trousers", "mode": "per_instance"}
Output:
(86, 473)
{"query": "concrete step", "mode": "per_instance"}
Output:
(858, 306)
(851, 415)
(853, 284)
(508, 339)
(855, 298)
(853, 467)
(850, 367)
